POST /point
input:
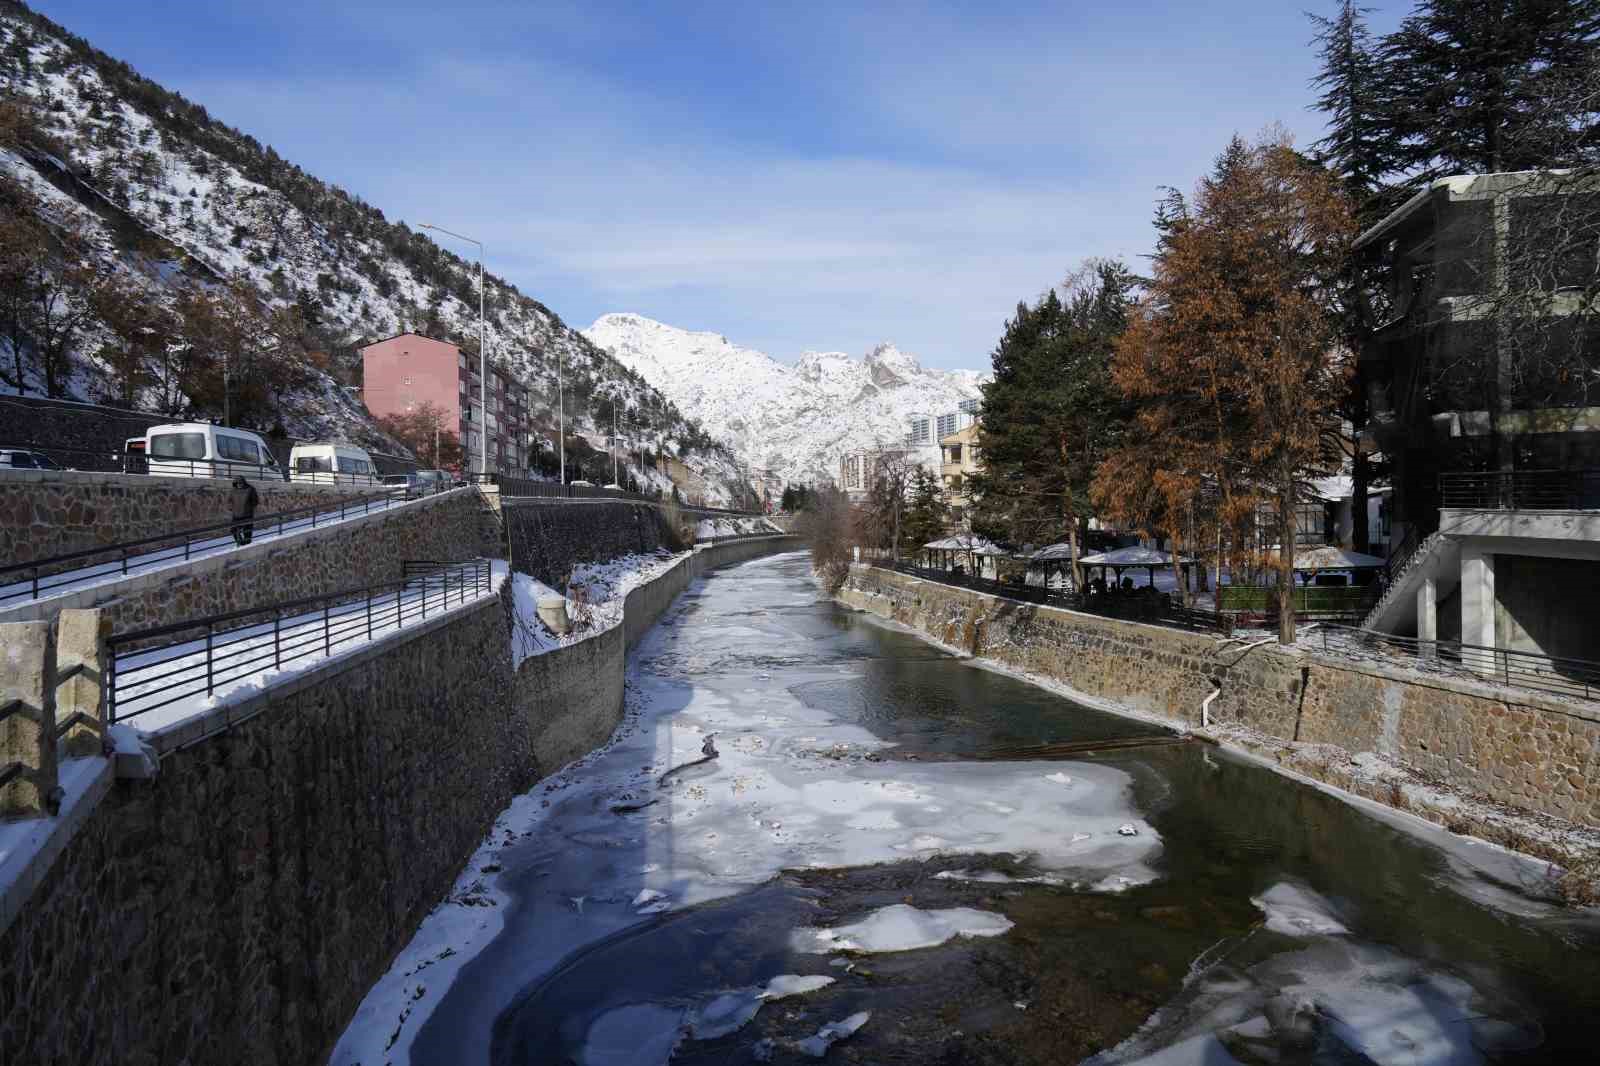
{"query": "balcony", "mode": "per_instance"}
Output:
(1521, 490)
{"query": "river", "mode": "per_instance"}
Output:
(1168, 903)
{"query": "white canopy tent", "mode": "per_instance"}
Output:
(1132, 558)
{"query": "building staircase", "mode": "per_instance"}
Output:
(1437, 556)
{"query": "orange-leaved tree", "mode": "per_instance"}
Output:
(1234, 361)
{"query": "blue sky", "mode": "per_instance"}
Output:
(795, 176)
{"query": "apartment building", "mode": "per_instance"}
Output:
(403, 372)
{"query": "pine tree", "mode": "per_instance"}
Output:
(1361, 145)
(1051, 413)
(1472, 78)
(1234, 360)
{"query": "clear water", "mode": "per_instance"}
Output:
(1446, 954)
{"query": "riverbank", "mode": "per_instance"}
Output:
(1514, 769)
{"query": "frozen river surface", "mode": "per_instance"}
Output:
(850, 879)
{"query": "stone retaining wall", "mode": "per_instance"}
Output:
(44, 513)
(1522, 749)
(236, 908)
(358, 551)
(549, 538)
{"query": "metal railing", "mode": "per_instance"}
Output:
(163, 466)
(1549, 490)
(30, 580)
(1157, 608)
(149, 669)
(727, 538)
(533, 487)
(1519, 669)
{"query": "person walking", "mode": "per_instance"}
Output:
(243, 499)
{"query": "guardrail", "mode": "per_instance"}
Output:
(1519, 669)
(1534, 490)
(149, 669)
(1155, 609)
(533, 487)
(726, 538)
(28, 581)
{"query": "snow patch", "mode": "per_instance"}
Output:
(901, 927)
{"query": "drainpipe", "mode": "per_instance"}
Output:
(1205, 704)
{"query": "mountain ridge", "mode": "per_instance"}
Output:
(792, 420)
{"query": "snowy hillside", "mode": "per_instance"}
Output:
(795, 421)
(137, 182)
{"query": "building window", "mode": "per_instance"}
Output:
(947, 425)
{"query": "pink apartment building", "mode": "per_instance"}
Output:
(405, 371)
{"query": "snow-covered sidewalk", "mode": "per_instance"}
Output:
(164, 687)
(266, 529)
(595, 595)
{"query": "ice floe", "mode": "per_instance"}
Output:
(901, 927)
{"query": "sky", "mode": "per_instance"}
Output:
(796, 177)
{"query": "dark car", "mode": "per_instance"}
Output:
(26, 459)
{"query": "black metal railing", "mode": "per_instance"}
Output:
(21, 582)
(1533, 490)
(727, 538)
(149, 669)
(1155, 608)
(533, 487)
(165, 466)
(1520, 669)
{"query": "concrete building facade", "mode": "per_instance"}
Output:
(403, 372)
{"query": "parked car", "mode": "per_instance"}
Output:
(200, 449)
(579, 483)
(331, 463)
(441, 480)
(26, 459)
(415, 483)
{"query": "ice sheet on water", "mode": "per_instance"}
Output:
(731, 1011)
(818, 1045)
(1339, 997)
(901, 927)
(1296, 911)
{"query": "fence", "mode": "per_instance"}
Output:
(1554, 490)
(1347, 603)
(1155, 609)
(30, 580)
(154, 668)
(531, 487)
(1531, 670)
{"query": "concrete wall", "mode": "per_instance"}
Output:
(1522, 749)
(1548, 606)
(359, 551)
(53, 512)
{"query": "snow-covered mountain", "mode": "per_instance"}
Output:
(130, 181)
(794, 421)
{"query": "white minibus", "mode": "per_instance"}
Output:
(332, 464)
(200, 449)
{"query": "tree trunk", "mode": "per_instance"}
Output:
(1072, 549)
(1286, 562)
(1177, 571)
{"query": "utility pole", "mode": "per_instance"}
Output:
(614, 480)
(483, 351)
(561, 418)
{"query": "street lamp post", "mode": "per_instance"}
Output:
(483, 371)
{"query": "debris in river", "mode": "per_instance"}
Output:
(1128, 830)
(709, 748)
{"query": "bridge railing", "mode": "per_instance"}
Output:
(25, 582)
(150, 669)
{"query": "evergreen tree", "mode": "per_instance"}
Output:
(1472, 80)
(926, 512)
(1051, 413)
(1361, 146)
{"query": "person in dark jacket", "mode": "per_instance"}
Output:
(244, 500)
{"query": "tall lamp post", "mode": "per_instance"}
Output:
(483, 371)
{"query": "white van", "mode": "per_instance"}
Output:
(332, 464)
(200, 449)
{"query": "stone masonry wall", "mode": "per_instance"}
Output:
(236, 908)
(360, 551)
(549, 539)
(1521, 749)
(44, 513)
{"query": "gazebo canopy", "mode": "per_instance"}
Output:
(1332, 557)
(966, 542)
(1134, 556)
(1052, 553)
